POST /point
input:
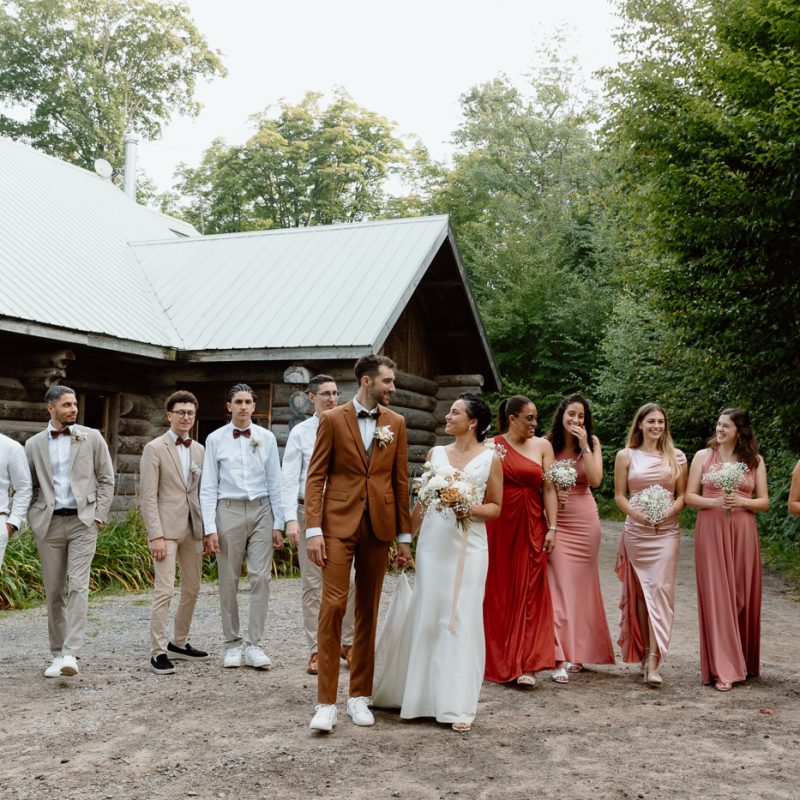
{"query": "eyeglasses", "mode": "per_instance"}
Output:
(328, 394)
(183, 413)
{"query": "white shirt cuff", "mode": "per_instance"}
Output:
(311, 532)
(404, 538)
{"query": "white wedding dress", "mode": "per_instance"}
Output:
(438, 649)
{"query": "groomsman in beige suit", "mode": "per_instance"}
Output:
(169, 498)
(73, 486)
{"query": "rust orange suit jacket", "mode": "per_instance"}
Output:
(342, 478)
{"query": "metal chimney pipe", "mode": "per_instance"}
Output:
(129, 180)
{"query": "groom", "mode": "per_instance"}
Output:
(356, 502)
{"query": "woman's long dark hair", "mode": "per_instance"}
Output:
(746, 449)
(510, 407)
(479, 411)
(558, 436)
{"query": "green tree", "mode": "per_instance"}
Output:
(75, 75)
(521, 200)
(307, 164)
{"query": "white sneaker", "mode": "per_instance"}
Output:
(358, 711)
(324, 718)
(254, 656)
(54, 670)
(69, 665)
(233, 657)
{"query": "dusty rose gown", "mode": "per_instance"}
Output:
(579, 616)
(517, 613)
(728, 569)
(650, 556)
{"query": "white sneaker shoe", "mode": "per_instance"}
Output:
(54, 670)
(69, 665)
(358, 711)
(233, 657)
(254, 656)
(324, 718)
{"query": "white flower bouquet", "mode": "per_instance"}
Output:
(195, 469)
(562, 473)
(654, 502)
(728, 476)
(446, 489)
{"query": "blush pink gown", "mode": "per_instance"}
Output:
(728, 569)
(581, 627)
(650, 556)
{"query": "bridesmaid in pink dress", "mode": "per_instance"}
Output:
(648, 555)
(726, 553)
(581, 629)
(794, 492)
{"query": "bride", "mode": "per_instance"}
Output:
(440, 667)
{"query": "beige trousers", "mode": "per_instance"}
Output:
(187, 554)
(311, 579)
(66, 552)
(245, 533)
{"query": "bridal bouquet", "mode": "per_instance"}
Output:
(654, 502)
(447, 489)
(728, 477)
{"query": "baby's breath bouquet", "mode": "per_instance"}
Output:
(654, 502)
(562, 474)
(728, 477)
(446, 489)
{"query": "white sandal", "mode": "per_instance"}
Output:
(561, 675)
(526, 680)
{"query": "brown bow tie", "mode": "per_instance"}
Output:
(63, 432)
(237, 433)
(184, 442)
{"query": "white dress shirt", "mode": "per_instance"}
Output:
(296, 457)
(184, 454)
(14, 475)
(59, 462)
(366, 424)
(240, 469)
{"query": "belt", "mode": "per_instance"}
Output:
(65, 512)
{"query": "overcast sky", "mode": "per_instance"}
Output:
(409, 61)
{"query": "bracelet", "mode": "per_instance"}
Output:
(553, 528)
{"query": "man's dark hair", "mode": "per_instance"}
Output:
(371, 364)
(56, 392)
(181, 396)
(240, 387)
(317, 380)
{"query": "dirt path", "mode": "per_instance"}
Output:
(118, 731)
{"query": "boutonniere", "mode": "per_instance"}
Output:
(195, 469)
(77, 436)
(383, 435)
(255, 444)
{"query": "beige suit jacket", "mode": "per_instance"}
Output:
(170, 507)
(91, 477)
(342, 479)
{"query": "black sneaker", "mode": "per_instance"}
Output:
(187, 653)
(161, 665)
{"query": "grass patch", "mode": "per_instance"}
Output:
(122, 563)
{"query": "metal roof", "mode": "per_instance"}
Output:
(330, 286)
(64, 254)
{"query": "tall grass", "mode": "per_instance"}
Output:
(122, 563)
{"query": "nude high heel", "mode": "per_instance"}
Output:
(652, 678)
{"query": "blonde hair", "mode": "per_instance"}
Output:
(664, 445)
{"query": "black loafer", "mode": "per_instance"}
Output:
(161, 665)
(187, 653)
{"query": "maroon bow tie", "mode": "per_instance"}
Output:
(237, 433)
(63, 432)
(371, 414)
(184, 442)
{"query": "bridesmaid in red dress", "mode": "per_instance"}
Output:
(517, 614)
(726, 553)
(581, 628)
(647, 560)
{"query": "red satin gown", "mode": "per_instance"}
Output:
(517, 612)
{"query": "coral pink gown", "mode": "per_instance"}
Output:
(579, 616)
(651, 557)
(728, 569)
(517, 613)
